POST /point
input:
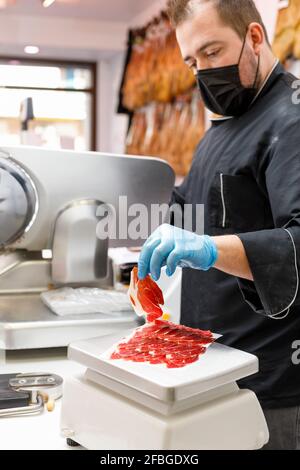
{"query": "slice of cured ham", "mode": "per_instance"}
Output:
(164, 343)
(145, 296)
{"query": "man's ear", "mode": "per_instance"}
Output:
(257, 36)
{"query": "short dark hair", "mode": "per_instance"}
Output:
(237, 14)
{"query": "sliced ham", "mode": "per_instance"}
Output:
(164, 343)
(159, 341)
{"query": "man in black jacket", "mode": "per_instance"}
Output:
(241, 278)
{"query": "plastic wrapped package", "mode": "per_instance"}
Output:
(69, 301)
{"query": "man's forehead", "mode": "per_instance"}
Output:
(198, 33)
(203, 14)
(201, 29)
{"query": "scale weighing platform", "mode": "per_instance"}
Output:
(120, 405)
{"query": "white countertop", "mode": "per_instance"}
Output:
(43, 431)
(40, 431)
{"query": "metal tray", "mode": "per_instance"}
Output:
(26, 323)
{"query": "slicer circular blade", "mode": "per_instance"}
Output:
(18, 201)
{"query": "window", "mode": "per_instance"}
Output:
(64, 103)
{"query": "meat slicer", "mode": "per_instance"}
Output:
(49, 201)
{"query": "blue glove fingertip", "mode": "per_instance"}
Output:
(141, 274)
(169, 272)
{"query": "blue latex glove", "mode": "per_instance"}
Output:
(172, 247)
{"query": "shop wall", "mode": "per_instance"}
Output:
(112, 127)
(269, 11)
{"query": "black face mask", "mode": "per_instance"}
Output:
(222, 91)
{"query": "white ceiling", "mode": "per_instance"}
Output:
(105, 10)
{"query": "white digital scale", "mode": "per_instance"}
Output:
(120, 405)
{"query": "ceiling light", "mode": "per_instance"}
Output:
(31, 50)
(47, 3)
